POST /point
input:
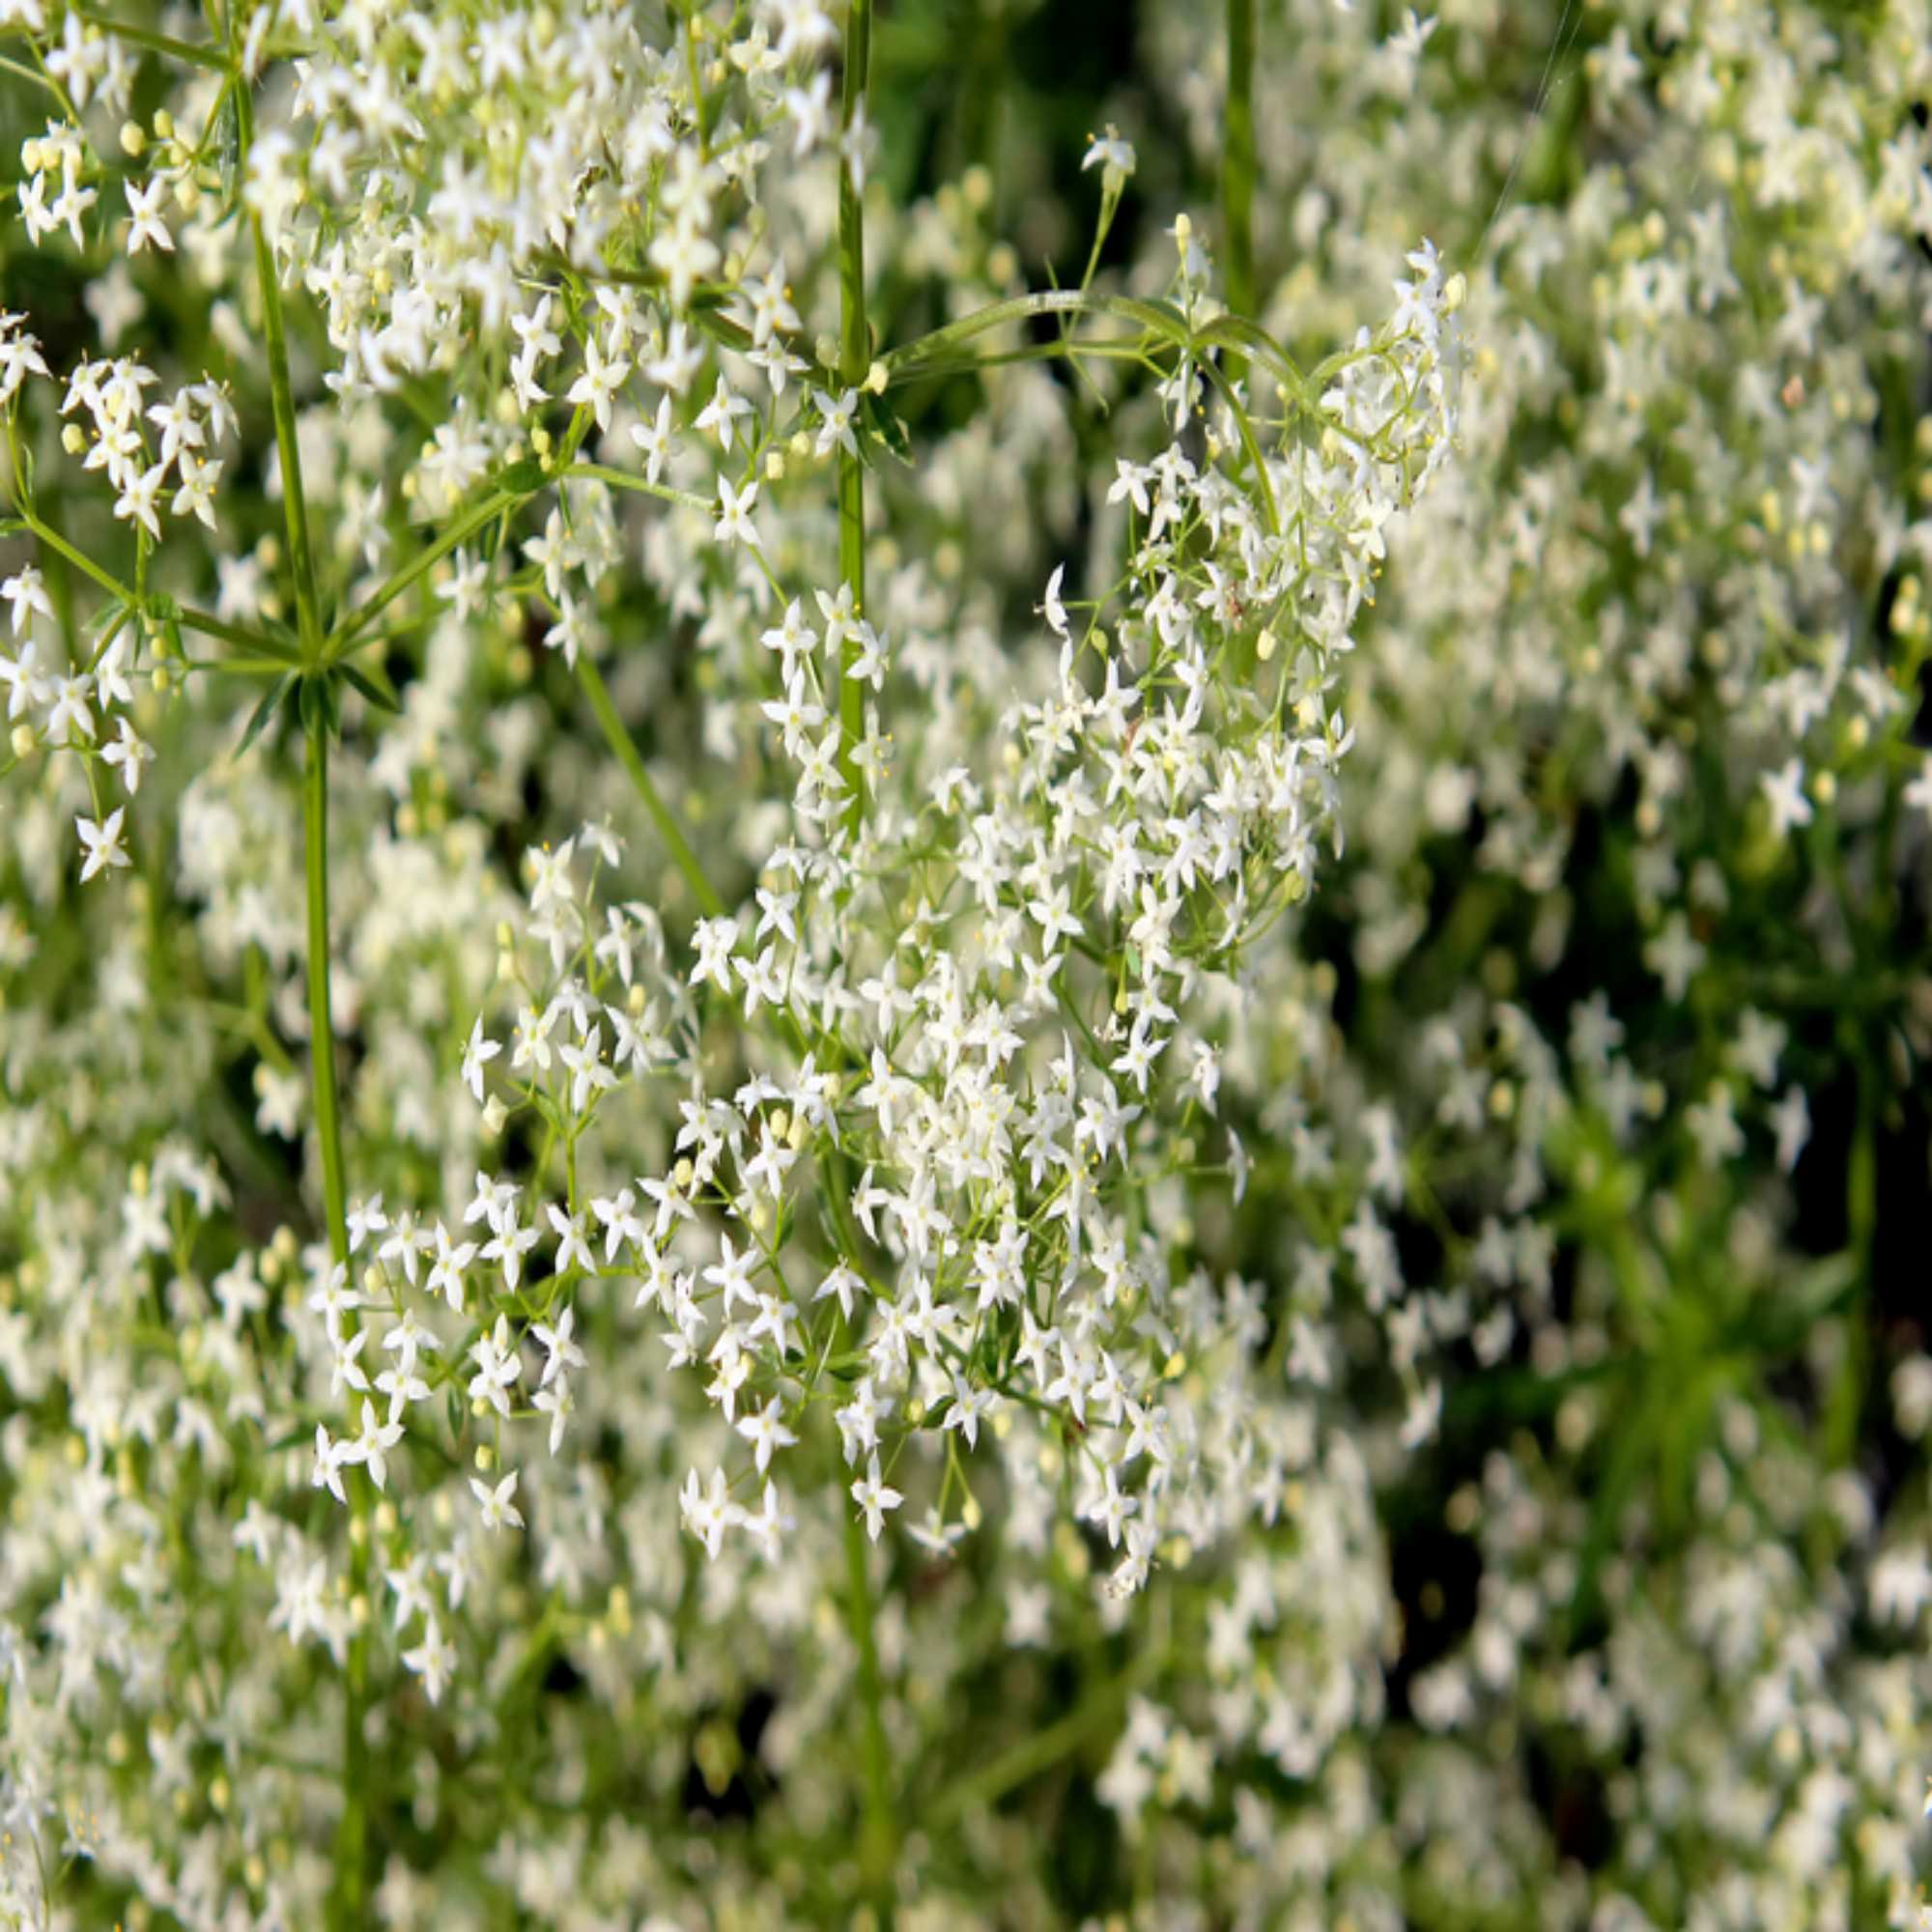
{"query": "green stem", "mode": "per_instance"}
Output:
(348, 1902)
(295, 502)
(622, 479)
(1160, 323)
(696, 85)
(628, 756)
(878, 1837)
(878, 1844)
(196, 54)
(855, 353)
(83, 562)
(418, 566)
(33, 75)
(270, 650)
(1238, 158)
(281, 399)
(1100, 1707)
(352, 1845)
(327, 1112)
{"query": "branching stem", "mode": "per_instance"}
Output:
(627, 754)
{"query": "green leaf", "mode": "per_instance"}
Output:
(320, 704)
(373, 682)
(1779, 1324)
(884, 426)
(228, 139)
(264, 711)
(524, 478)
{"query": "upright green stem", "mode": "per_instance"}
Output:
(351, 626)
(80, 560)
(855, 360)
(282, 397)
(327, 1110)
(349, 1909)
(349, 1906)
(878, 1837)
(1237, 159)
(669, 830)
(295, 503)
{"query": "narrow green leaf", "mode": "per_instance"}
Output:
(373, 682)
(884, 426)
(264, 711)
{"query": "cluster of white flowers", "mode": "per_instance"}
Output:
(1049, 1073)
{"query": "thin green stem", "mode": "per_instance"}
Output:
(878, 1836)
(67, 106)
(622, 479)
(197, 54)
(878, 1844)
(34, 74)
(352, 1846)
(281, 400)
(349, 631)
(628, 756)
(855, 356)
(80, 560)
(419, 566)
(1099, 1708)
(1160, 323)
(295, 501)
(328, 1114)
(1237, 159)
(348, 1902)
(274, 651)
(696, 85)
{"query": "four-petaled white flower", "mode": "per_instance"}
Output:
(103, 842)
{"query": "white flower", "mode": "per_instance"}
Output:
(874, 1498)
(734, 514)
(433, 1659)
(498, 1510)
(26, 597)
(103, 842)
(1784, 792)
(147, 228)
(1113, 155)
